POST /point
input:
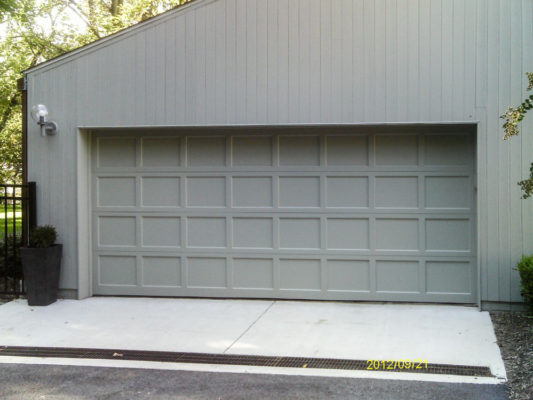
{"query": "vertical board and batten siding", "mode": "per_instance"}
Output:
(276, 62)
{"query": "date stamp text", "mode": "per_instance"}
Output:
(381, 365)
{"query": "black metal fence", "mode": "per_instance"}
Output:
(17, 217)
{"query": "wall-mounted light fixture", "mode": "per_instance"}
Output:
(39, 113)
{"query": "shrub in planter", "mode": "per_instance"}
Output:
(41, 263)
(43, 236)
(525, 268)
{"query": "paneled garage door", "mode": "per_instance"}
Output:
(308, 213)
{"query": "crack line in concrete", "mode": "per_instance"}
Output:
(247, 329)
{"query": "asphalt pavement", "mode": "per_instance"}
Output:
(55, 382)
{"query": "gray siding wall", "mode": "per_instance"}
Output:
(228, 62)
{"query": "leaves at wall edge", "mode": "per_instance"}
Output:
(513, 117)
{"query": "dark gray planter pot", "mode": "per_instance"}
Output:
(41, 273)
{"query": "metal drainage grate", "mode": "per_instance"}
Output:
(231, 359)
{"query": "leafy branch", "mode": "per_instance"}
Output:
(512, 117)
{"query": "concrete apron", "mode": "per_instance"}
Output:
(441, 334)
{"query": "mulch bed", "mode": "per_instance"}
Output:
(514, 331)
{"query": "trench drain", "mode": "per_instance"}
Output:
(242, 360)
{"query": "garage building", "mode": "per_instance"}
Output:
(329, 150)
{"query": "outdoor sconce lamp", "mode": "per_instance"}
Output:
(39, 114)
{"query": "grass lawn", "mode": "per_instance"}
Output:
(9, 219)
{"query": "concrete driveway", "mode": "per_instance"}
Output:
(439, 334)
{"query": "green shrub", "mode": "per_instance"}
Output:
(43, 236)
(10, 265)
(525, 268)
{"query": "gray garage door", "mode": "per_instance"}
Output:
(308, 213)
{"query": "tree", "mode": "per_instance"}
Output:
(38, 30)
(103, 17)
(6, 7)
(513, 116)
(35, 31)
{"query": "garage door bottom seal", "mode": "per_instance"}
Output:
(241, 360)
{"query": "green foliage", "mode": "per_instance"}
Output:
(11, 148)
(525, 268)
(513, 116)
(14, 220)
(6, 8)
(108, 16)
(10, 266)
(38, 30)
(527, 184)
(35, 32)
(43, 236)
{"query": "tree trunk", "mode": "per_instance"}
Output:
(115, 7)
